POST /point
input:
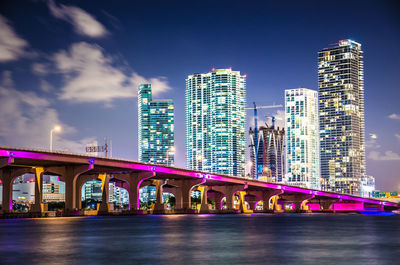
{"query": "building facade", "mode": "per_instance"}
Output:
(271, 150)
(341, 106)
(215, 122)
(156, 128)
(302, 148)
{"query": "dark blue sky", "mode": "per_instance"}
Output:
(274, 42)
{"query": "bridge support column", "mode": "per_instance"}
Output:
(217, 197)
(37, 207)
(159, 206)
(7, 180)
(229, 192)
(7, 177)
(266, 197)
(69, 175)
(251, 200)
(184, 199)
(81, 180)
(135, 181)
(298, 200)
(326, 205)
(204, 203)
(105, 190)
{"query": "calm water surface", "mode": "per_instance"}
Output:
(203, 239)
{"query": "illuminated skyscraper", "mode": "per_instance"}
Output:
(215, 122)
(341, 106)
(156, 128)
(271, 159)
(302, 151)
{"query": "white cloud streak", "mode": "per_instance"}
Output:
(26, 120)
(83, 23)
(12, 46)
(91, 76)
(394, 116)
(387, 156)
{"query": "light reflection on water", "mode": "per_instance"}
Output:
(202, 239)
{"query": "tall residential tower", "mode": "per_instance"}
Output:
(341, 106)
(302, 149)
(215, 122)
(156, 128)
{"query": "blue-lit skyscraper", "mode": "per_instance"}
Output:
(156, 128)
(215, 122)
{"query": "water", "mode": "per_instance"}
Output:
(203, 239)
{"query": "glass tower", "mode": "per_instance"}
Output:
(156, 128)
(341, 106)
(215, 122)
(302, 149)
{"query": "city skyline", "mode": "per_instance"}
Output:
(56, 96)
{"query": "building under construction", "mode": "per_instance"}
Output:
(269, 161)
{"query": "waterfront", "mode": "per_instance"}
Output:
(203, 239)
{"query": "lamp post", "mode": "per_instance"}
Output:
(170, 150)
(56, 128)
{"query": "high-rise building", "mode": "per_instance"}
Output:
(156, 128)
(302, 149)
(341, 107)
(215, 122)
(271, 149)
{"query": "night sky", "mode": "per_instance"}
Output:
(78, 64)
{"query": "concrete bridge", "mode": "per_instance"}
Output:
(76, 169)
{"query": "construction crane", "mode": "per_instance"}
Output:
(255, 108)
(273, 118)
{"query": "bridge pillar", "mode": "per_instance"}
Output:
(266, 197)
(7, 180)
(204, 203)
(327, 204)
(37, 207)
(69, 175)
(105, 190)
(135, 181)
(7, 177)
(298, 200)
(217, 197)
(159, 206)
(252, 200)
(229, 192)
(183, 198)
(82, 179)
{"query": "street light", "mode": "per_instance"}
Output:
(56, 128)
(170, 150)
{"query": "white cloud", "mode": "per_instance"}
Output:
(45, 86)
(394, 116)
(91, 76)
(12, 47)
(371, 142)
(397, 135)
(387, 156)
(40, 69)
(26, 120)
(84, 23)
(265, 116)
